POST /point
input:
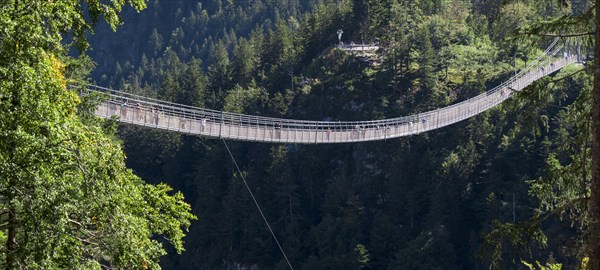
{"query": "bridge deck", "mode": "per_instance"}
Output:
(159, 114)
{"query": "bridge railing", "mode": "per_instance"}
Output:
(465, 109)
(358, 47)
(157, 113)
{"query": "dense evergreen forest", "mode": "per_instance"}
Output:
(447, 199)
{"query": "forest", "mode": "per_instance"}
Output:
(507, 189)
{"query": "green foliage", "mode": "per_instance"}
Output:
(219, 74)
(427, 74)
(519, 236)
(538, 265)
(68, 200)
(363, 255)
(475, 62)
(561, 190)
(512, 17)
(241, 100)
(430, 250)
(584, 263)
(421, 202)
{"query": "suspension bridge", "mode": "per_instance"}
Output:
(153, 113)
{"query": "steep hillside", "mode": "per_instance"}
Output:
(423, 202)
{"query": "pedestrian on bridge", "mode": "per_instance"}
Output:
(278, 130)
(156, 118)
(124, 109)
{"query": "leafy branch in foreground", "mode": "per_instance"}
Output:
(67, 198)
(563, 192)
(566, 25)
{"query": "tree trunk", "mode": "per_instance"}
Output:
(594, 211)
(10, 241)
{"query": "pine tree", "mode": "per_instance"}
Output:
(219, 75)
(594, 207)
(427, 74)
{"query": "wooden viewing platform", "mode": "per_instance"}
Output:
(358, 47)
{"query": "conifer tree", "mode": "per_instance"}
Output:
(426, 69)
(594, 211)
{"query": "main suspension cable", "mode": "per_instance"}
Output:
(257, 206)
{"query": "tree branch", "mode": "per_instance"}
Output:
(76, 223)
(542, 216)
(570, 75)
(562, 35)
(86, 241)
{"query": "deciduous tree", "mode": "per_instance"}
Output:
(67, 199)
